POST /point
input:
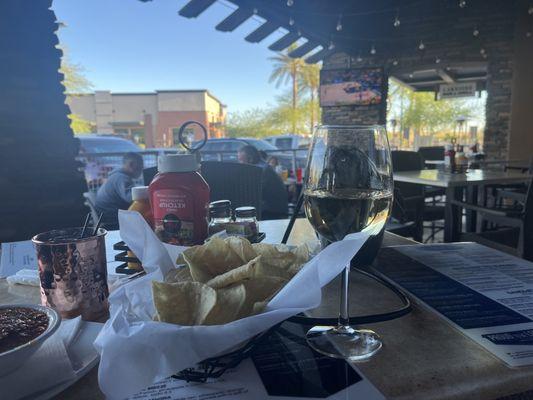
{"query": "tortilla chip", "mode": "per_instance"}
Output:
(234, 276)
(230, 301)
(242, 247)
(183, 303)
(260, 289)
(182, 274)
(211, 259)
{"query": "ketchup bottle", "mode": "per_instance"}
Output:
(180, 199)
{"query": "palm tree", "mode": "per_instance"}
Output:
(310, 81)
(287, 69)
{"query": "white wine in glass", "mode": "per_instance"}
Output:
(348, 189)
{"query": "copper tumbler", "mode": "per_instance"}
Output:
(73, 273)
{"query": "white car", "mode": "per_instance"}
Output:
(289, 142)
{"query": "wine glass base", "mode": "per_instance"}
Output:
(344, 342)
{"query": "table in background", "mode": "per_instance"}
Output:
(455, 185)
(423, 357)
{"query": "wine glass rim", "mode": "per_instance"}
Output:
(336, 126)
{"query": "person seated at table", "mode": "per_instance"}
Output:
(274, 163)
(115, 193)
(275, 202)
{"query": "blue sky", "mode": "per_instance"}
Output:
(131, 46)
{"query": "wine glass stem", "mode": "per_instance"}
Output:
(344, 315)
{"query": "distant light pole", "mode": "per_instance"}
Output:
(394, 122)
(461, 122)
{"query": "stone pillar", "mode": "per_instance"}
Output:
(521, 135)
(148, 131)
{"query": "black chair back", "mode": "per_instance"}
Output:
(239, 183)
(528, 223)
(432, 152)
(409, 200)
(148, 175)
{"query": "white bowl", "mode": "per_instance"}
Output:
(14, 358)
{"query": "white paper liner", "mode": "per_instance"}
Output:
(137, 351)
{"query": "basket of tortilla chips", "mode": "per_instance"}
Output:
(226, 293)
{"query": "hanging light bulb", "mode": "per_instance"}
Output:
(475, 32)
(290, 3)
(291, 21)
(359, 58)
(397, 22)
(421, 45)
(462, 3)
(529, 34)
(339, 24)
(484, 55)
(437, 60)
(373, 50)
(299, 32)
(482, 51)
(394, 62)
(331, 45)
(530, 10)
(411, 76)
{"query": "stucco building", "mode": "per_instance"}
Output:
(151, 118)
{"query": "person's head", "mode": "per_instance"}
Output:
(132, 164)
(249, 155)
(273, 161)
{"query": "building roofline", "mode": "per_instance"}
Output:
(207, 92)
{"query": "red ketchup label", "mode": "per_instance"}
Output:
(174, 216)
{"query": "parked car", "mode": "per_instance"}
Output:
(226, 150)
(101, 154)
(289, 141)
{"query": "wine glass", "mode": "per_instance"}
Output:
(348, 188)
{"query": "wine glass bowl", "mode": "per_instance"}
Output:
(348, 188)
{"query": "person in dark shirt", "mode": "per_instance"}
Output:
(115, 193)
(275, 200)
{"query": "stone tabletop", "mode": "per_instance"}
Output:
(423, 356)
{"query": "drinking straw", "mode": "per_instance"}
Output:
(293, 218)
(85, 225)
(97, 226)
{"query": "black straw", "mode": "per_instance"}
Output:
(97, 226)
(293, 218)
(85, 225)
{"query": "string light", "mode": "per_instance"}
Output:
(437, 60)
(530, 10)
(529, 34)
(331, 45)
(255, 11)
(411, 76)
(462, 3)
(299, 32)
(290, 3)
(373, 50)
(475, 33)
(394, 62)
(359, 58)
(339, 24)
(421, 46)
(291, 21)
(482, 51)
(397, 22)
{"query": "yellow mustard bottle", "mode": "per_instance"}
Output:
(141, 204)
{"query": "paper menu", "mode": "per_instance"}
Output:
(486, 294)
(17, 256)
(282, 367)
